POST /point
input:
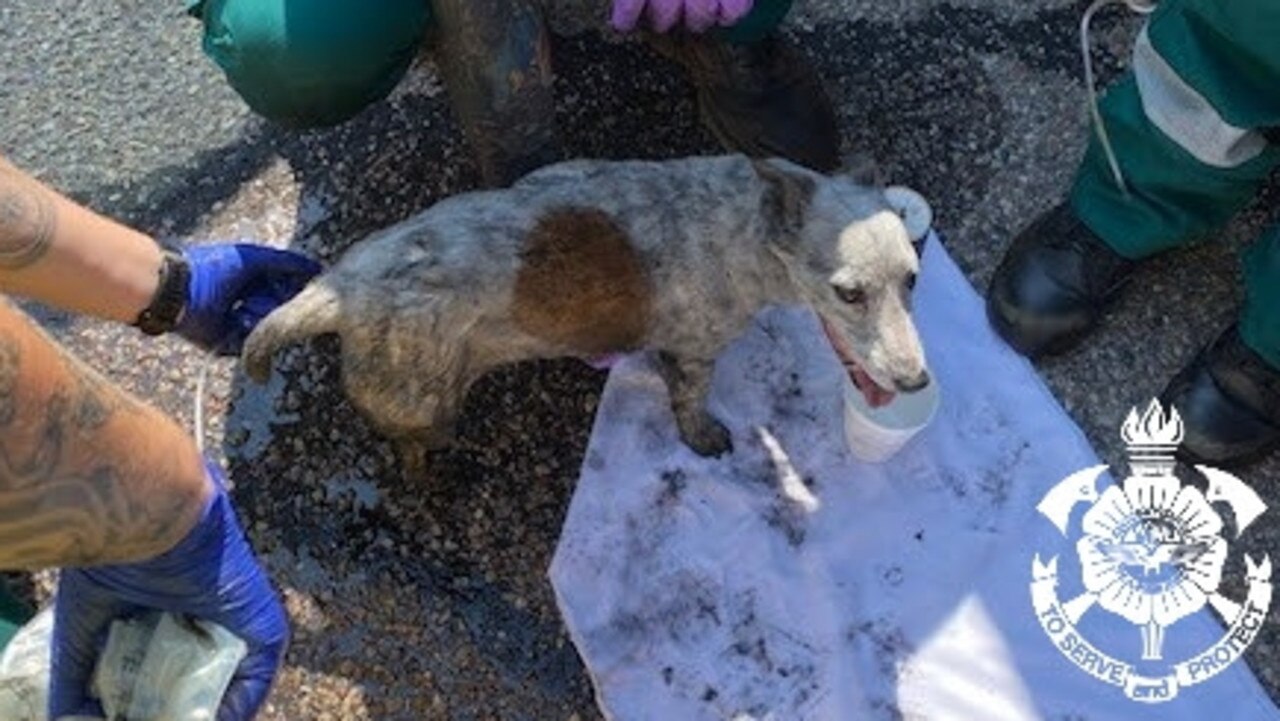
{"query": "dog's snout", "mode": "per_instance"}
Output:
(911, 385)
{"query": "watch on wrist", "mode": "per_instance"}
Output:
(166, 307)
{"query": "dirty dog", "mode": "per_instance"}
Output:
(590, 258)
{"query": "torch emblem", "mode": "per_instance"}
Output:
(1151, 550)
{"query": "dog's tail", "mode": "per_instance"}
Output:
(314, 311)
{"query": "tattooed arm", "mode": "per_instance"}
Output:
(88, 475)
(117, 494)
(63, 254)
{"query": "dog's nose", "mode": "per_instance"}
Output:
(912, 385)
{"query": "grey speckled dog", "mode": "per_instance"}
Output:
(591, 258)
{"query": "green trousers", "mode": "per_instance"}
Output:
(1194, 128)
(319, 62)
(12, 615)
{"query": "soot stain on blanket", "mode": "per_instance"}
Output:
(981, 420)
(655, 433)
(996, 482)
(656, 436)
(785, 518)
(886, 642)
(994, 487)
(988, 492)
(955, 482)
(892, 576)
(683, 608)
(778, 669)
(758, 669)
(596, 461)
(643, 543)
(757, 471)
(674, 481)
(889, 710)
(788, 399)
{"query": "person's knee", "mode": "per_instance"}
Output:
(310, 63)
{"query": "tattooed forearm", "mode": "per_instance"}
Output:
(27, 219)
(87, 474)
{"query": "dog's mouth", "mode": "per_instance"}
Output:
(875, 394)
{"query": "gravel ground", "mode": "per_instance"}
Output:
(426, 598)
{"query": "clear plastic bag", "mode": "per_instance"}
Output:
(24, 671)
(156, 667)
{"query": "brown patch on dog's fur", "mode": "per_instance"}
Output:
(581, 284)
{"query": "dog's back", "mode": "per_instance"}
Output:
(570, 255)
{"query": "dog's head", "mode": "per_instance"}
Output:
(850, 251)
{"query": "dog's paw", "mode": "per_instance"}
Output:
(412, 455)
(708, 438)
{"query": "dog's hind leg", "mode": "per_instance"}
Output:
(415, 445)
(432, 430)
(412, 455)
(413, 403)
(688, 382)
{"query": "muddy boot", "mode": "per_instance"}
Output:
(1054, 283)
(763, 98)
(1229, 400)
(495, 58)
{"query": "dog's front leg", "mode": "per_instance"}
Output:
(688, 382)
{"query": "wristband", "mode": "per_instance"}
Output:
(165, 309)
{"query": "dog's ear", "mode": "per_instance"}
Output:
(787, 195)
(914, 210)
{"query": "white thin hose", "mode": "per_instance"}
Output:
(202, 378)
(1142, 7)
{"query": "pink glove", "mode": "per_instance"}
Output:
(698, 15)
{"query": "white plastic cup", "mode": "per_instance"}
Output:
(876, 434)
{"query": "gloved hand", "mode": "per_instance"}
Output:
(233, 287)
(210, 575)
(698, 15)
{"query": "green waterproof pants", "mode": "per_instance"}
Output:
(1194, 127)
(308, 63)
(12, 615)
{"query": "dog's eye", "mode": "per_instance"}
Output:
(852, 296)
(911, 282)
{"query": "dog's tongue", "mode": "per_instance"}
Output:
(871, 391)
(875, 395)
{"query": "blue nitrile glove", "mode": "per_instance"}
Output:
(235, 285)
(210, 575)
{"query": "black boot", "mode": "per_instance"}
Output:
(762, 99)
(1229, 400)
(495, 59)
(1053, 284)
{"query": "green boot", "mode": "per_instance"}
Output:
(495, 58)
